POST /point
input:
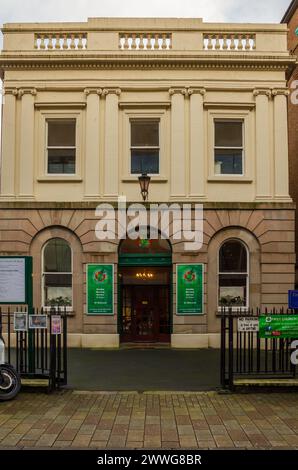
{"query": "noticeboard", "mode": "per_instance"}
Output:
(15, 279)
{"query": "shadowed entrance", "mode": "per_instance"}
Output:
(145, 274)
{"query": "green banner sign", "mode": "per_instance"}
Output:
(278, 326)
(100, 289)
(189, 289)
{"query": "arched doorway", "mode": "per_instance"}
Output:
(145, 279)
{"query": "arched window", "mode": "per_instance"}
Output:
(57, 273)
(233, 279)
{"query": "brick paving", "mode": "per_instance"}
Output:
(115, 420)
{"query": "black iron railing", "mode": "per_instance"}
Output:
(246, 354)
(37, 353)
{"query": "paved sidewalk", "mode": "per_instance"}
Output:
(73, 419)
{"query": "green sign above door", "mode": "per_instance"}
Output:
(100, 289)
(189, 289)
(278, 326)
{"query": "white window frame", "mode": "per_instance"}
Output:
(43, 272)
(242, 148)
(147, 147)
(156, 113)
(244, 113)
(59, 146)
(247, 274)
(42, 143)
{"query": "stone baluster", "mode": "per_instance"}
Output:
(233, 44)
(64, 41)
(156, 41)
(126, 43)
(247, 42)
(57, 43)
(164, 41)
(72, 41)
(210, 42)
(50, 43)
(80, 41)
(225, 42)
(149, 45)
(42, 42)
(141, 43)
(36, 40)
(217, 42)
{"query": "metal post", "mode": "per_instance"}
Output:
(231, 351)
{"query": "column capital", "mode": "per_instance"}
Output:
(174, 91)
(109, 91)
(27, 91)
(262, 91)
(280, 91)
(96, 91)
(10, 91)
(196, 91)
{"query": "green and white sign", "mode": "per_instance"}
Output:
(189, 289)
(278, 326)
(100, 289)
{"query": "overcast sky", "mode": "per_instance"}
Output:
(80, 10)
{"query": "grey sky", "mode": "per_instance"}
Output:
(79, 10)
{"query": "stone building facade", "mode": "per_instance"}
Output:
(202, 107)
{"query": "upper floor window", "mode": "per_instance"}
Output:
(61, 146)
(144, 146)
(228, 147)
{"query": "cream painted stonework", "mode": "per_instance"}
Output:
(185, 73)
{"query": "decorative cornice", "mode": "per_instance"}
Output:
(280, 91)
(176, 91)
(151, 63)
(110, 91)
(90, 91)
(262, 91)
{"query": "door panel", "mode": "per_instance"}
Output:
(145, 313)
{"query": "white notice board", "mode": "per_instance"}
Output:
(12, 280)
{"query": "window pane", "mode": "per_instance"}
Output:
(61, 161)
(228, 133)
(57, 256)
(144, 161)
(233, 257)
(144, 133)
(58, 289)
(228, 162)
(61, 132)
(232, 290)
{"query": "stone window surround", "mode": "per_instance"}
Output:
(164, 134)
(254, 269)
(248, 138)
(43, 116)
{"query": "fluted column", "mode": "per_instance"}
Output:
(8, 144)
(178, 167)
(281, 167)
(263, 166)
(197, 154)
(26, 166)
(92, 154)
(111, 170)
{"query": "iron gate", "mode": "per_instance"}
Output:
(245, 355)
(37, 353)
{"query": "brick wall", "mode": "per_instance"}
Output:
(293, 124)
